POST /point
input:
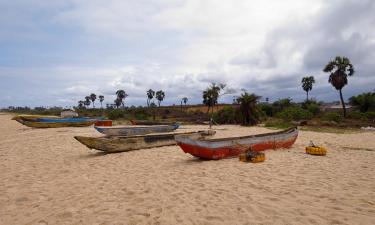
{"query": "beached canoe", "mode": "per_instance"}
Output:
(66, 120)
(31, 117)
(135, 130)
(229, 147)
(122, 144)
(36, 124)
(148, 122)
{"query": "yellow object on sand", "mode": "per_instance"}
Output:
(253, 157)
(316, 150)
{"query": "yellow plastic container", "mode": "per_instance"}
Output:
(316, 150)
(252, 157)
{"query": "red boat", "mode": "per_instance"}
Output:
(229, 147)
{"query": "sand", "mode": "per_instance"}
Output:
(47, 177)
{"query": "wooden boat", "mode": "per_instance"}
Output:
(31, 117)
(136, 130)
(103, 123)
(122, 144)
(148, 122)
(230, 147)
(37, 124)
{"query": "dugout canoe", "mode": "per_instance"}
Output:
(31, 117)
(148, 122)
(36, 124)
(136, 130)
(229, 147)
(112, 144)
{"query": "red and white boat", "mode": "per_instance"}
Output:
(220, 148)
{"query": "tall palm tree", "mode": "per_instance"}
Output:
(340, 68)
(121, 95)
(150, 95)
(81, 104)
(185, 100)
(249, 110)
(118, 102)
(211, 95)
(160, 95)
(101, 99)
(307, 84)
(87, 101)
(93, 98)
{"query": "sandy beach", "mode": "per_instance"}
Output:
(47, 177)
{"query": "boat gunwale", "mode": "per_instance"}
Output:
(286, 131)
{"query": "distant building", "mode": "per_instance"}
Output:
(69, 113)
(334, 106)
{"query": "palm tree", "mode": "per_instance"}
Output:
(307, 84)
(160, 95)
(81, 104)
(249, 110)
(101, 99)
(150, 95)
(121, 94)
(93, 97)
(185, 100)
(118, 102)
(340, 68)
(211, 95)
(87, 101)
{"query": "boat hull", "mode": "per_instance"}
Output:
(147, 122)
(135, 130)
(112, 144)
(56, 124)
(231, 147)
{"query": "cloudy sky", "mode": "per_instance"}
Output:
(57, 52)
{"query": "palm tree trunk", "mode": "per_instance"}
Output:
(343, 103)
(307, 96)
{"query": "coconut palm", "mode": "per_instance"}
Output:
(93, 98)
(160, 95)
(150, 95)
(101, 99)
(121, 95)
(307, 84)
(340, 68)
(249, 110)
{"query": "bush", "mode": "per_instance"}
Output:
(333, 116)
(294, 113)
(311, 106)
(116, 114)
(370, 115)
(227, 115)
(266, 109)
(357, 115)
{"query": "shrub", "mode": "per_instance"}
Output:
(294, 113)
(333, 116)
(116, 114)
(356, 115)
(370, 115)
(227, 115)
(266, 109)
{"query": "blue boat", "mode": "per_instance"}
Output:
(136, 130)
(65, 120)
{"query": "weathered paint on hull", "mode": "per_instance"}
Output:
(147, 122)
(57, 124)
(123, 144)
(208, 150)
(31, 117)
(135, 130)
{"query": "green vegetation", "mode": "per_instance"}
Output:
(365, 101)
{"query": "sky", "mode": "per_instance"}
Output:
(54, 53)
